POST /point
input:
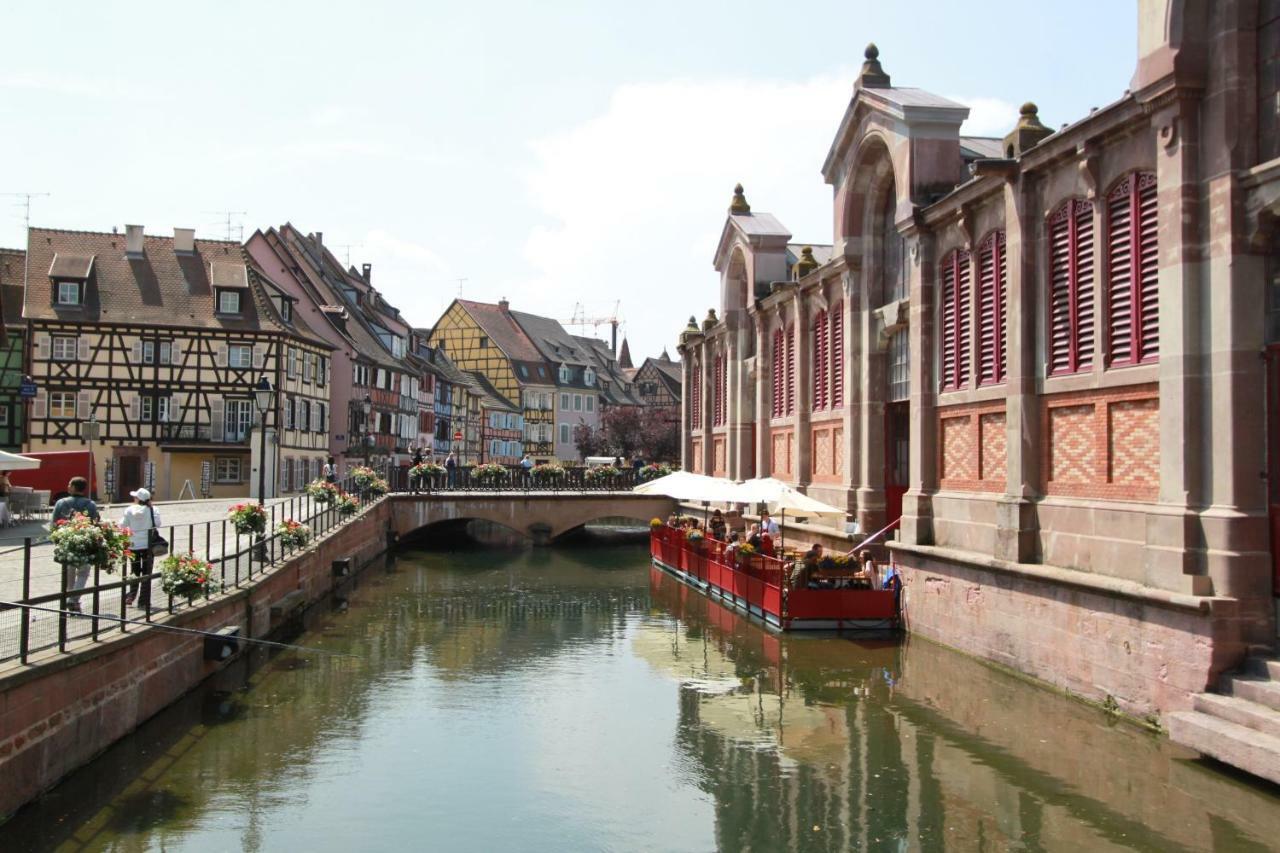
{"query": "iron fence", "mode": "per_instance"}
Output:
(515, 478)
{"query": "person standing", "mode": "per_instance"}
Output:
(451, 468)
(526, 465)
(768, 525)
(76, 502)
(141, 518)
(330, 471)
(417, 456)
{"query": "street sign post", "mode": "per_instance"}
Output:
(28, 389)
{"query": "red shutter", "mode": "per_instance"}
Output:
(791, 370)
(717, 391)
(1071, 287)
(695, 404)
(779, 391)
(955, 320)
(1120, 338)
(992, 287)
(837, 355)
(1148, 295)
(820, 360)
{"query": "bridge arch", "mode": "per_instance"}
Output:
(541, 516)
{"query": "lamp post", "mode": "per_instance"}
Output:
(263, 395)
(90, 430)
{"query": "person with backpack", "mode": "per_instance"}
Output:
(76, 502)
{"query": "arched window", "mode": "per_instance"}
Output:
(891, 251)
(1133, 271)
(837, 355)
(955, 320)
(791, 369)
(1071, 287)
(779, 374)
(820, 360)
(993, 286)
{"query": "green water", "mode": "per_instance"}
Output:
(577, 699)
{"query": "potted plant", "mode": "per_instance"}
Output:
(655, 523)
(347, 504)
(322, 491)
(490, 473)
(653, 471)
(187, 576)
(547, 473)
(293, 534)
(248, 518)
(428, 474)
(600, 475)
(695, 537)
(368, 482)
(81, 541)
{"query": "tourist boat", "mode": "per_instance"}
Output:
(756, 585)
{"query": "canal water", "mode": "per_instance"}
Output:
(577, 699)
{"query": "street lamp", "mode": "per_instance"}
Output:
(263, 394)
(90, 431)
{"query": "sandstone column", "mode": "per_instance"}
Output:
(917, 504)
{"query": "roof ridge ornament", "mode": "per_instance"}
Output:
(872, 75)
(739, 206)
(807, 263)
(1027, 133)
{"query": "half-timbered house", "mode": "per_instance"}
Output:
(161, 341)
(13, 338)
(657, 384)
(485, 338)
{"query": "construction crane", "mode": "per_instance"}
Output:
(580, 319)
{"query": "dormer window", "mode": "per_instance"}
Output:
(565, 375)
(286, 310)
(228, 301)
(589, 377)
(69, 293)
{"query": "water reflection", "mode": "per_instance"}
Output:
(576, 700)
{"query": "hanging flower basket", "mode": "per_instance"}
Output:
(426, 470)
(603, 474)
(81, 541)
(490, 473)
(248, 518)
(368, 482)
(187, 576)
(322, 491)
(548, 472)
(347, 504)
(653, 472)
(293, 534)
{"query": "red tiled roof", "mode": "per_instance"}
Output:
(502, 330)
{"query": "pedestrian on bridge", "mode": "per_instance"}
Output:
(78, 501)
(141, 518)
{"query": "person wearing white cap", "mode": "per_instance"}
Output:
(141, 518)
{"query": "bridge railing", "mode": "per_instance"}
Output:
(514, 478)
(40, 609)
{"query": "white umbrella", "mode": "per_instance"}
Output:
(14, 462)
(687, 486)
(780, 497)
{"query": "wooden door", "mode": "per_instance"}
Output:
(897, 430)
(129, 476)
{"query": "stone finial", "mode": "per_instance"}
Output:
(1027, 133)
(872, 75)
(711, 320)
(807, 263)
(693, 324)
(690, 330)
(739, 204)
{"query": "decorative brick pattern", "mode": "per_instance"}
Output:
(780, 462)
(994, 441)
(1102, 443)
(959, 451)
(1073, 456)
(1134, 443)
(821, 453)
(718, 467)
(696, 452)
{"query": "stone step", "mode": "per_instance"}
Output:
(1242, 712)
(1263, 667)
(1255, 689)
(1248, 749)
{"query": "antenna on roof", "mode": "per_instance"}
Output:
(224, 217)
(25, 204)
(346, 250)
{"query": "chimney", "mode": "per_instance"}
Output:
(184, 241)
(504, 305)
(319, 237)
(133, 241)
(366, 272)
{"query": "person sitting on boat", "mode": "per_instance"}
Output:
(731, 550)
(869, 572)
(753, 537)
(810, 565)
(673, 521)
(717, 525)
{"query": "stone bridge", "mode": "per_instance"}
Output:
(541, 516)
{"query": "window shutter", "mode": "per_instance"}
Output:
(820, 360)
(259, 355)
(43, 347)
(1148, 290)
(175, 410)
(324, 417)
(82, 405)
(949, 323)
(135, 408)
(695, 401)
(40, 405)
(288, 413)
(175, 352)
(216, 423)
(1071, 287)
(1082, 250)
(1060, 291)
(136, 357)
(220, 355)
(82, 348)
(837, 355)
(791, 370)
(315, 416)
(992, 286)
(1132, 271)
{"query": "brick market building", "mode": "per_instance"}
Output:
(1043, 353)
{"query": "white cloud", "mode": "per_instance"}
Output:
(635, 197)
(987, 116)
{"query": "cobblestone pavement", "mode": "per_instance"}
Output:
(197, 526)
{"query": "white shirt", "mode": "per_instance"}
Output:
(138, 519)
(770, 527)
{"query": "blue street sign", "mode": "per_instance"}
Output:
(27, 389)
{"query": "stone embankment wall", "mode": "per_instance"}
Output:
(61, 710)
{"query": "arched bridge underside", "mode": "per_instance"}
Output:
(542, 516)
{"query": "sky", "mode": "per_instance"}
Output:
(577, 158)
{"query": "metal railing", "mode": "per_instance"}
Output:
(514, 479)
(45, 621)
